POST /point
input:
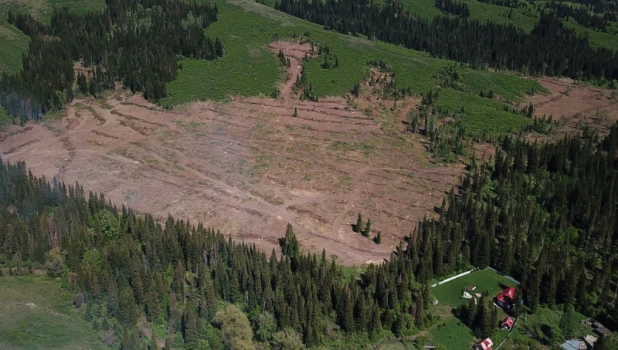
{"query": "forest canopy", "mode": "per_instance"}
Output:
(550, 49)
(137, 42)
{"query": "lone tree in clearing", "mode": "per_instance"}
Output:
(367, 229)
(295, 113)
(378, 238)
(359, 223)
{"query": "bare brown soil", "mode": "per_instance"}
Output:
(576, 105)
(248, 167)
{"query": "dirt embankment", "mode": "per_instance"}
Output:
(249, 167)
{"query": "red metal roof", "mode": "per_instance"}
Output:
(485, 344)
(509, 321)
(508, 292)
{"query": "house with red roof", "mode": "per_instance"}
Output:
(484, 344)
(507, 323)
(506, 299)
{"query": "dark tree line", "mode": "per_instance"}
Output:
(137, 42)
(581, 15)
(454, 7)
(550, 49)
(598, 6)
(507, 3)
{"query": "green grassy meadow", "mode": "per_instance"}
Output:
(484, 280)
(451, 334)
(36, 313)
(248, 69)
(537, 324)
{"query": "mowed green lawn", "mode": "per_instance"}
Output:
(484, 280)
(36, 313)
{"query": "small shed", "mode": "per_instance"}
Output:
(466, 295)
(470, 288)
(602, 331)
(507, 323)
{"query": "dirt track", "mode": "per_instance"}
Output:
(248, 167)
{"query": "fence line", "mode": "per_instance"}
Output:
(451, 278)
(503, 275)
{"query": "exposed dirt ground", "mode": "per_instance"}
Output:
(576, 105)
(248, 167)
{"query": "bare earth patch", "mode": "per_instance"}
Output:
(578, 104)
(248, 167)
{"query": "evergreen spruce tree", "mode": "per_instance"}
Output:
(190, 334)
(290, 244)
(127, 313)
(367, 229)
(359, 223)
(378, 238)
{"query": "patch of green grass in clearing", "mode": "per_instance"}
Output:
(597, 38)
(484, 280)
(421, 8)
(36, 313)
(452, 334)
(479, 11)
(509, 86)
(480, 113)
(483, 12)
(534, 324)
(4, 118)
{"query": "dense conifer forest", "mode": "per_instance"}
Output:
(122, 266)
(136, 42)
(550, 49)
(544, 213)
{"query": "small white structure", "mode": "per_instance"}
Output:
(466, 295)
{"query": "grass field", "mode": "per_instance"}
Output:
(248, 69)
(35, 313)
(452, 334)
(484, 280)
(481, 113)
(537, 324)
